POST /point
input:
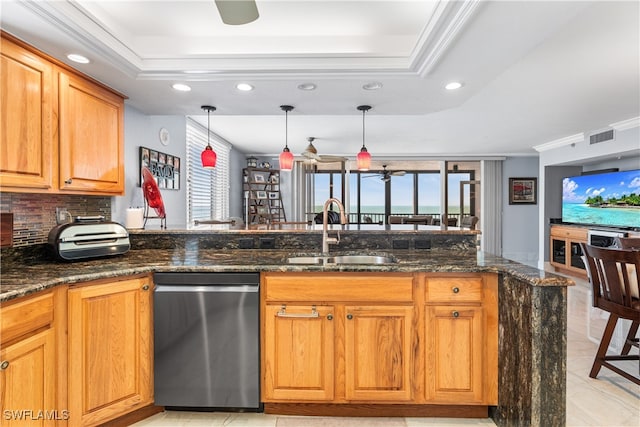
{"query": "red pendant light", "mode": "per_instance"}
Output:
(363, 159)
(286, 157)
(208, 156)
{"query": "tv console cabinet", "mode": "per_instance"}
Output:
(565, 254)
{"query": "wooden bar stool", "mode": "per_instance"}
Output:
(614, 275)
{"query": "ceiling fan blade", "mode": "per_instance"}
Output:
(237, 12)
(310, 155)
(331, 159)
(399, 173)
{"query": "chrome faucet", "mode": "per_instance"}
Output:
(326, 240)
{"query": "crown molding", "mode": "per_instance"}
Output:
(568, 140)
(443, 27)
(626, 124)
(435, 39)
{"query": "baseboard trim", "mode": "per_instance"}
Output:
(377, 410)
(133, 417)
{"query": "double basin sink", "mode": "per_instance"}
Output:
(341, 259)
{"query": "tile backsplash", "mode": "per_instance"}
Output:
(34, 215)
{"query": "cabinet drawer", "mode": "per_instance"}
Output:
(574, 233)
(26, 315)
(454, 289)
(315, 287)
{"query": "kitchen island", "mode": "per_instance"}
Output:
(531, 303)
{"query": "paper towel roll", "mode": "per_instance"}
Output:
(135, 218)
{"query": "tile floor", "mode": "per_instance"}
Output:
(609, 400)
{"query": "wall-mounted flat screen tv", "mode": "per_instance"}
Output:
(606, 199)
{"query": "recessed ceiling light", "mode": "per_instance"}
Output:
(245, 87)
(307, 86)
(78, 58)
(453, 86)
(372, 86)
(181, 87)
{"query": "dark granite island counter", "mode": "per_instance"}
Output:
(532, 303)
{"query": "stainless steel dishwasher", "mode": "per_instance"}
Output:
(206, 340)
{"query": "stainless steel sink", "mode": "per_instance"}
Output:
(342, 259)
(361, 259)
(306, 260)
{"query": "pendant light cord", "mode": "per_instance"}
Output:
(286, 129)
(363, 113)
(208, 127)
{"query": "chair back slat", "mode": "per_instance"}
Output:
(611, 276)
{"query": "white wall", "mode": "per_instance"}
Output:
(622, 152)
(519, 222)
(142, 130)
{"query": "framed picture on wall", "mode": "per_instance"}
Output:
(523, 191)
(164, 167)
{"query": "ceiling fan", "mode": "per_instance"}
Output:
(311, 154)
(386, 175)
(237, 12)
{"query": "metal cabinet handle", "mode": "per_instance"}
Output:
(329, 316)
(283, 313)
(456, 290)
(145, 288)
(349, 316)
(4, 365)
(455, 314)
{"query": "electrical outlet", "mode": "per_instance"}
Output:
(62, 216)
(267, 243)
(246, 243)
(422, 244)
(400, 244)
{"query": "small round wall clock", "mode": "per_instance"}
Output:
(165, 137)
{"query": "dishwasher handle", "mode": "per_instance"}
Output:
(207, 288)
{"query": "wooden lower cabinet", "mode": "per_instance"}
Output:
(110, 350)
(454, 354)
(461, 329)
(333, 339)
(27, 381)
(366, 341)
(29, 394)
(378, 352)
(299, 352)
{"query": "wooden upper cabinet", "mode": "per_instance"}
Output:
(27, 113)
(91, 137)
(61, 132)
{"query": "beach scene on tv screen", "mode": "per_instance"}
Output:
(602, 199)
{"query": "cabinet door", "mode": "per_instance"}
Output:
(299, 353)
(27, 383)
(109, 350)
(378, 352)
(454, 342)
(91, 137)
(26, 120)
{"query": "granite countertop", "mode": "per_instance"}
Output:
(22, 277)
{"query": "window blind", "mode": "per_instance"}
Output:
(207, 190)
